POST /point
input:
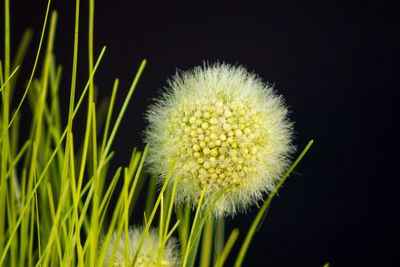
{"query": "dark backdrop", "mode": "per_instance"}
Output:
(334, 62)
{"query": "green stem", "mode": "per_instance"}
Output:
(207, 243)
(219, 239)
(4, 121)
(228, 247)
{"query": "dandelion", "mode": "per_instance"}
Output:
(227, 129)
(148, 253)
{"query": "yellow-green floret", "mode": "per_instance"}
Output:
(226, 128)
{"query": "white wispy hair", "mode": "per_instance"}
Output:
(227, 129)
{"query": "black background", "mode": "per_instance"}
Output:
(334, 62)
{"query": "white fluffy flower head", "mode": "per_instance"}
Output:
(226, 128)
(148, 253)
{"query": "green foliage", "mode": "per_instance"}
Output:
(55, 203)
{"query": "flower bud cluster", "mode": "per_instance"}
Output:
(226, 129)
(219, 140)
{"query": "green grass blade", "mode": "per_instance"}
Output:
(173, 229)
(204, 218)
(152, 188)
(22, 48)
(228, 247)
(96, 197)
(123, 109)
(53, 217)
(129, 174)
(191, 240)
(171, 206)
(36, 215)
(90, 50)
(4, 121)
(109, 115)
(164, 234)
(219, 239)
(54, 230)
(264, 207)
(9, 78)
(183, 215)
(33, 70)
(20, 54)
(207, 243)
(75, 206)
(107, 195)
(50, 160)
(16, 160)
(1, 73)
(153, 213)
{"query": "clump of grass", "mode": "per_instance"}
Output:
(54, 199)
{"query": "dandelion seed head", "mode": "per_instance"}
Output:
(227, 129)
(148, 253)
